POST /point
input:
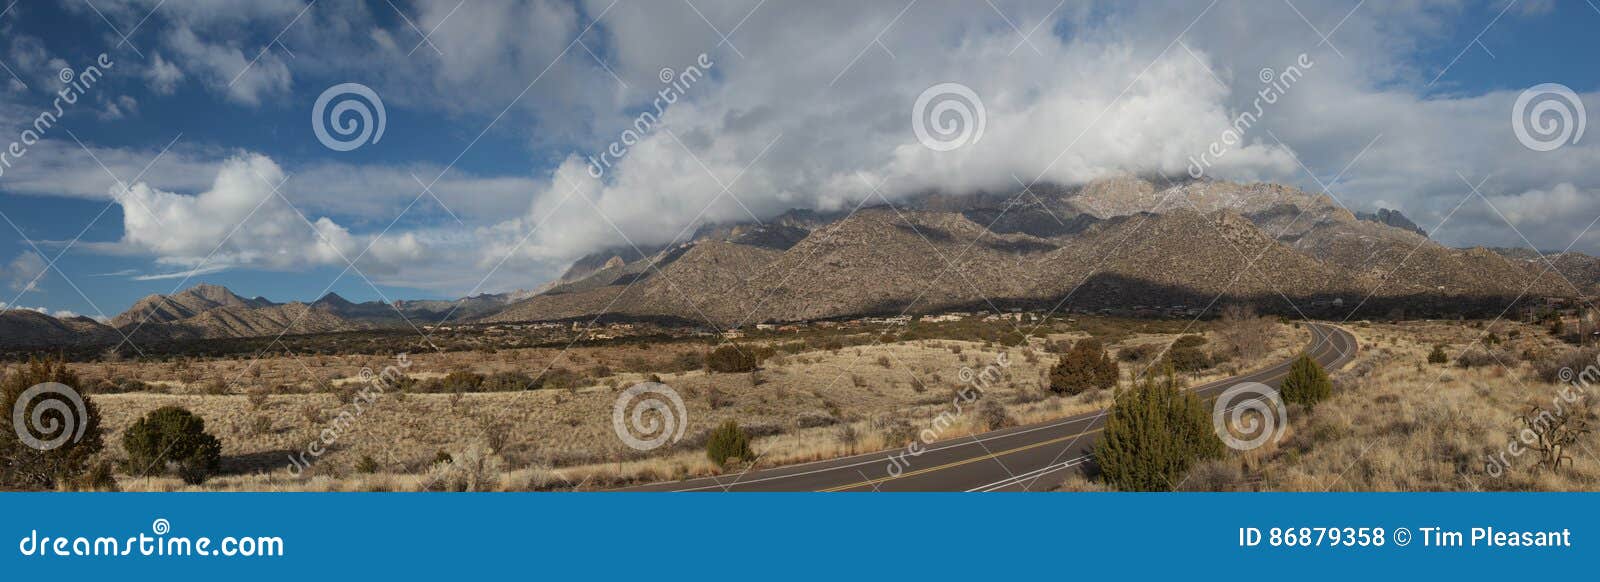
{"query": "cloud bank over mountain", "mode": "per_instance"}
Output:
(810, 105)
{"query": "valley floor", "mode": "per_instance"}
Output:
(807, 405)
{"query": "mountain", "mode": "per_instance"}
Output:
(189, 303)
(1392, 218)
(1118, 243)
(212, 311)
(1112, 243)
(433, 311)
(23, 328)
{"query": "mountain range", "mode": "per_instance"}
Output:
(1109, 244)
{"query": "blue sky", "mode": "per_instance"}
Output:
(498, 106)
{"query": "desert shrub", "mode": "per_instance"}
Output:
(1139, 353)
(813, 420)
(728, 441)
(1084, 366)
(214, 387)
(441, 457)
(1577, 361)
(461, 381)
(260, 425)
(848, 435)
(993, 414)
(257, 399)
(1553, 432)
(476, 470)
(763, 353)
(1154, 433)
(496, 434)
(367, 464)
(730, 359)
(1188, 359)
(23, 466)
(884, 361)
(1478, 358)
(686, 362)
(1307, 383)
(1437, 356)
(716, 398)
(506, 382)
(559, 379)
(99, 477)
(118, 386)
(1214, 475)
(172, 437)
(1189, 341)
(899, 433)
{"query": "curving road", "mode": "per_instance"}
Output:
(1021, 458)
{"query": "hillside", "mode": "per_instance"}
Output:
(1113, 244)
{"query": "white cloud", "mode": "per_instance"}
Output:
(243, 78)
(241, 222)
(24, 272)
(163, 76)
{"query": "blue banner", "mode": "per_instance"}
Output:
(794, 535)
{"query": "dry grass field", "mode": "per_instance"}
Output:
(803, 404)
(1399, 423)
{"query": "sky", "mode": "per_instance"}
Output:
(416, 149)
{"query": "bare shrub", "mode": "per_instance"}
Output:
(1244, 331)
(993, 414)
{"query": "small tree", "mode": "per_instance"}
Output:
(173, 437)
(1085, 366)
(1437, 356)
(26, 466)
(1154, 433)
(728, 441)
(1555, 432)
(730, 359)
(1307, 383)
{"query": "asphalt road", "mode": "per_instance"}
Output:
(1023, 458)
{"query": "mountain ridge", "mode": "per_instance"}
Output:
(1108, 244)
